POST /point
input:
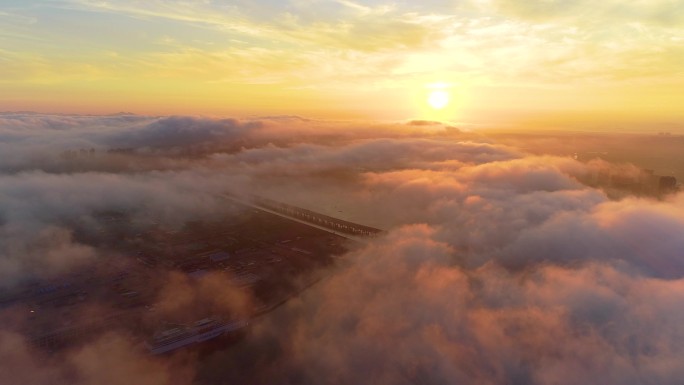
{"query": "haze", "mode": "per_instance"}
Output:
(340, 192)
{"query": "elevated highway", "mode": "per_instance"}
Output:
(334, 225)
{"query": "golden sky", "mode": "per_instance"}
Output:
(543, 63)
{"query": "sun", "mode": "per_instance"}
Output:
(438, 99)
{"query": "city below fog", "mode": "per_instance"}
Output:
(197, 250)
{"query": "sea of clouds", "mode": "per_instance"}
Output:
(497, 267)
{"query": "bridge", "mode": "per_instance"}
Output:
(325, 222)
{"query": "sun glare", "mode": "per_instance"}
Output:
(438, 99)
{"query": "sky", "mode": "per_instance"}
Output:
(501, 63)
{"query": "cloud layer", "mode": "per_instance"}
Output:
(498, 266)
